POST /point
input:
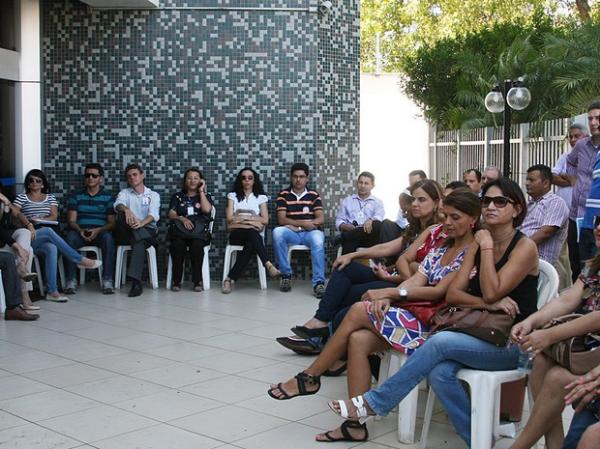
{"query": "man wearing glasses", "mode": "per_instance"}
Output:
(91, 218)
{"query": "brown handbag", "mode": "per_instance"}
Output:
(572, 353)
(493, 327)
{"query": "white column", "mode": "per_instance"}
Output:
(28, 124)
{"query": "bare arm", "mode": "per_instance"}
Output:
(561, 180)
(543, 234)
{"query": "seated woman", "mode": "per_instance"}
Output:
(548, 379)
(500, 275)
(584, 394)
(371, 327)
(349, 280)
(34, 207)
(247, 218)
(192, 207)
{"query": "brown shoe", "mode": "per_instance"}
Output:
(19, 314)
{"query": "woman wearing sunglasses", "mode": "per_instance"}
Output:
(548, 380)
(34, 208)
(247, 218)
(501, 274)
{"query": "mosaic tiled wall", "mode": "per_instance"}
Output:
(210, 88)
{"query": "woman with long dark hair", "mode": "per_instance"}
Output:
(191, 206)
(247, 218)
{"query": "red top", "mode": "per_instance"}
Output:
(434, 239)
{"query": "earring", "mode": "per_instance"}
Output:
(472, 225)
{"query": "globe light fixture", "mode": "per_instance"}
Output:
(505, 98)
(494, 101)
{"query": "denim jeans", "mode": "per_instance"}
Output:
(581, 421)
(439, 359)
(105, 241)
(345, 287)
(284, 237)
(49, 244)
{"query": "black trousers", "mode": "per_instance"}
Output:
(139, 239)
(357, 237)
(179, 248)
(573, 250)
(389, 231)
(10, 280)
(253, 243)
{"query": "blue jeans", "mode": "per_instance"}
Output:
(48, 243)
(105, 241)
(581, 421)
(284, 237)
(346, 287)
(439, 359)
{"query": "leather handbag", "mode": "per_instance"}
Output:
(200, 231)
(493, 327)
(423, 311)
(579, 354)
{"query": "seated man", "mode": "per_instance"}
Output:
(547, 214)
(12, 288)
(91, 217)
(472, 178)
(300, 215)
(139, 211)
(359, 217)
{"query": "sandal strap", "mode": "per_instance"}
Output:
(303, 379)
(359, 403)
(353, 425)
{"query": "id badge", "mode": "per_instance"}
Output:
(360, 217)
(145, 201)
(190, 211)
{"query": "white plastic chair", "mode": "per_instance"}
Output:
(296, 248)
(90, 249)
(205, 261)
(40, 277)
(121, 265)
(485, 385)
(2, 297)
(230, 254)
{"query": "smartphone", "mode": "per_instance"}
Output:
(87, 233)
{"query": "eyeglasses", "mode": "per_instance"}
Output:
(499, 201)
(91, 175)
(247, 178)
(36, 181)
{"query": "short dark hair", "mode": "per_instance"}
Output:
(299, 166)
(545, 171)
(94, 166)
(367, 174)
(38, 174)
(474, 170)
(420, 173)
(134, 166)
(510, 189)
(455, 185)
(594, 105)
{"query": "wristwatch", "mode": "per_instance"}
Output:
(403, 294)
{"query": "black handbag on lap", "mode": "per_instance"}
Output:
(200, 231)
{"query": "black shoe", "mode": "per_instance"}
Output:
(299, 346)
(285, 284)
(69, 291)
(136, 289)
(319, 290)
(305, 332)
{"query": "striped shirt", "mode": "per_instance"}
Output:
(299, 207)
(35, 209)
(579, 164)
(92, 210)
(548, 210)
(592, 204)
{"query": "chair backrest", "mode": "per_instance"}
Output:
(213, 213)
(547, 283)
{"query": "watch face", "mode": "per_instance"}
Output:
(403, 292)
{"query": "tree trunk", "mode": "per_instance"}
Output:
(583, 8)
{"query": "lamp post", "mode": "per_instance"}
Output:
(518, 97)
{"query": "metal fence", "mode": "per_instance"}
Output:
(452, 152)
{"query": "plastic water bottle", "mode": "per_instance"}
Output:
(525, 361)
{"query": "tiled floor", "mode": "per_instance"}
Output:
(169, 371)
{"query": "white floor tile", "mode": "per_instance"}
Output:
(182, 351)
(8, 420)
(229, 389)
(130, 362)
(97, 423)
(31, 361)
(115, 389)
(229, 423)
(32, 436)
(74, 374)
(141, 341)
(159, 437)
(178, 375)
(15, 386)
(48, 404)
(233, 362)
(292, 410)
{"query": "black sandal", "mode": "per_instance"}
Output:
(336, 372)
(305, 332)
(347, 436)
(302, 380)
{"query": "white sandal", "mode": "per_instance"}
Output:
(361, 410)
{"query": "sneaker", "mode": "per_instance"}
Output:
(109, 288)
(57, 297)
(71, 287)
(227, 286)
(285, 285)
(319, 290)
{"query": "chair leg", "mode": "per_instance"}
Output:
(169, 273)
(2, 297)
(40, 279)
(206, 269)
(61, 272)
(152, 268)
(227, 262)
(427, 417)
(262, 274)
(482, 417)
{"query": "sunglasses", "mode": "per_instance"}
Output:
(35, 181)
(91, 175)
(247, 178)
(499, 201)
